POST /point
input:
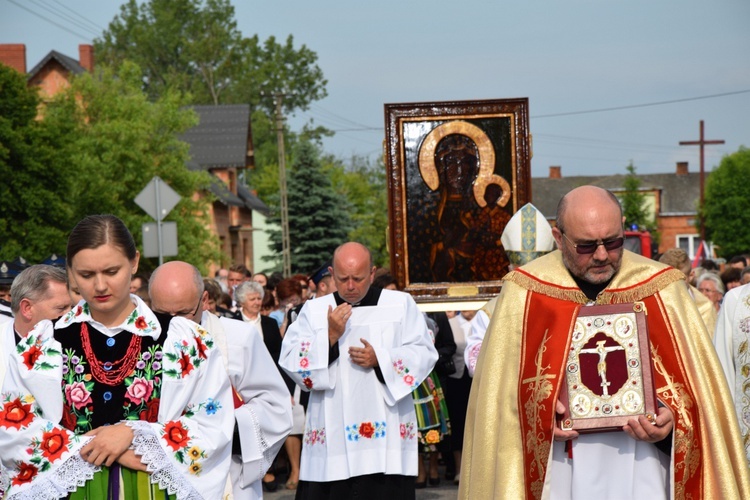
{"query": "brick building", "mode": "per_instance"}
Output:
(53, 72)
(220, 144)
(672, 198)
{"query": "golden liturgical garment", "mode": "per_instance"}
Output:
(511, 414)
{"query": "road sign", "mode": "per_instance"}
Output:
(151, 239)
(157, 199)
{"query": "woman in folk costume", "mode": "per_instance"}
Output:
(114, 401)
(433, 422)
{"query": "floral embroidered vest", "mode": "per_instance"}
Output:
(88, 403)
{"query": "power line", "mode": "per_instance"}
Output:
(656, 150)
(74, 33)
(91, 23)
(63, 16)
(359, 127)
(343, 119)
(601, 141)
(634, 106)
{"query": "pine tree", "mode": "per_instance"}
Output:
(318, 216)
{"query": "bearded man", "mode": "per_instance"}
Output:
(514, 446)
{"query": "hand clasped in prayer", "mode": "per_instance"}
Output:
(363, 356)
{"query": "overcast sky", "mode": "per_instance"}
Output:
(566, 57)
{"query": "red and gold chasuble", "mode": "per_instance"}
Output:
(511, 417)
(547, 340)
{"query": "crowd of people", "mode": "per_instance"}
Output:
(116, 383)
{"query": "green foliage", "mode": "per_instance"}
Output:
(272, 68)
(194, 46)
(318, 216)
(726, 208)
(364, 186)
(634, 201)
(121, 140)
(37, 175)
(634, 205)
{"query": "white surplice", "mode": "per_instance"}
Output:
(265, 418)
(357, 425)
(461, 328)
(732, 342)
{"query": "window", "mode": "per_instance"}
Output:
(689, 243)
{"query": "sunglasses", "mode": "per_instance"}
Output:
(589, 248)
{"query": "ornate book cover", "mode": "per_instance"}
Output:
(608, 374)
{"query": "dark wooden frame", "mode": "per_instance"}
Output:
(513, 159)
(640, 378)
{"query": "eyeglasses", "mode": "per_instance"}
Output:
(589, 248)
(182, 314)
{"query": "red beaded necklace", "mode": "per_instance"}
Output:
(114, 372)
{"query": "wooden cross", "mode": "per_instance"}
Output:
(701, 142)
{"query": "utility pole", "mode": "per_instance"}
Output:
(702, 143)
(285, 245)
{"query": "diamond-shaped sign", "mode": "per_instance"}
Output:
(157, 199)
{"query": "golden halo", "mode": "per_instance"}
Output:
(486, 176)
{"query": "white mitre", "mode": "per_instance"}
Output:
(527, 236)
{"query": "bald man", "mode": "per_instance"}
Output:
(263, 412)
(514, 446)
(360, 351)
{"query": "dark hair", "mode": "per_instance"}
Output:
(274, 280)
(97, 230)
(738, 258)
(383, 279)
(269, 302)
(709, 265)
(143, 277)
(225, 301)
(213, 289)
(241, 269)
(727, 276)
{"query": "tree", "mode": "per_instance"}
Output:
(364, 186)
(273, 68)
(37, 174)
(179, 44)
(726, 207)
(120, 141)
(633, 201)
(194, 46)
(318, 216)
